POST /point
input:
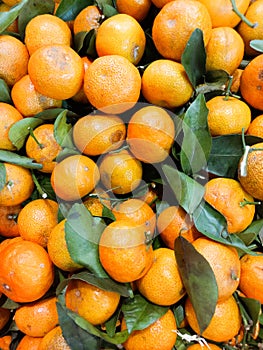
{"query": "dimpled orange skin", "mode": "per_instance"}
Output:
(89, 18)
(28, 342)
(138, 9)
(8, 222)
(9, 116)
(54, 340)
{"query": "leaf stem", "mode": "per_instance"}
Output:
(42, 193)
(31, 132)
(242, 16)
(246, 202)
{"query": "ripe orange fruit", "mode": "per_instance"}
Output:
(251, 276)
(150, 134)
(5, 342)
(96, 200)
(58, 250)
(9, 116)
(159, 335)
(36, 220)
(56, 71)
(256, 126)
(89, 18)
(235, 86)
(162, 283)
(198, 346)
(92, 303)
(121, 172)
(121, 35)
(224, 261)
(14, 59)
(13, 27)
(229, 198)
(26, 272)
(74, 177)
(43, 147)
(136, 8)
(226, 313)
(137, 211)
(4, 317)
(165, 83)
(174, 221)
(8, 220)
(28, 101)
(18, 187)
(54, 340)
(160, 3)
(222, 13)
(46, 29)
(105, 83)
(80, 96)
(124, 251)
(28, 342)
(251, 83)
(11, 2)
(38, 318)
(256, 33)
(227, 115)
(174, 24)
(97, 134)
(252, 180)
(225, 50)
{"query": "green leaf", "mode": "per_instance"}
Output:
(108, 10)
(2, 176)
(8, 17)
(188, 192)
(140, 313)
(194, 58)
(84, 43)
(4, 92)
(198, 279)
(52, 113)
(197, 141)
(250, 233)
(20, 130)
(253, 308)
(257, 45)
(63, 131)
(69, 9)
(14, 158)
(83, 232)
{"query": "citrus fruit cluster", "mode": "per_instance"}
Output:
(131, 178)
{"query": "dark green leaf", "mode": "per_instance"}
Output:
(198, 279)
(111, 324)
(108, 10)
(20, 130)
(256, 45)
(250, 233)
(188, 192)
(14, 158)
(107, 213)
(2, 176)
(253, 308)
(179, 314)
(197, 140)
(140, 313)
(216, 77)
(84, 43)
(194, 58)
(83, 232)
(8, 17)
(63, 131)
(4, 92)
(69, 9)
(52, 113)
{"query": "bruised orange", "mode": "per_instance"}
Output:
(87, 19)
(8, 220)
(54, 340)
(9, 116)
(5, 315)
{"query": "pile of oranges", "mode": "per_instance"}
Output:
(131, 177)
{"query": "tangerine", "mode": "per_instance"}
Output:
(138, 9)
(87, 19)
(8, 220)
(54, 340)
(9, 116)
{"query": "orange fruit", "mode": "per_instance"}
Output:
(36, 220)
(5, 342)
(165, 83)
(137, 211)
(219, 330)
(251, 276)
(18, 187)
(198, 346)
(28, 101)
(74, 177)
(26, 272)
(28, 342)
(4, 317)
(80, 96)
(162, 283)
(229, 198)
(92, 303)
(159, 335)
(121, 35)
(138, 9)
(150, 196)
(251, 83)
(252, 180)
(96, 200)
(172, 222)
(8, 220)
(222, 13)
(56, 71)
(124, 251)
(121, 172)
(14, 59)
(227, 115)
(225, 50)
(256, 126)
(54, 340)
(105, 83)
(13, 27)
(9, 116)
(160, 3)
(235, 85)
(43, 147)
(46, 29)
(224, 261)
(11, 2)
(58, 250)
(256, 33)
(97, 134)
(87, 19)
(174, 24)
(150, 134)
(38, 318)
